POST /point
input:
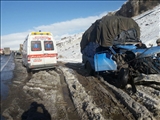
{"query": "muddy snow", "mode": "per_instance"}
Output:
(69, 94)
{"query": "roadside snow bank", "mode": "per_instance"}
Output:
(83, 102)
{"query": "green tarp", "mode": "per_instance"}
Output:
(104, 30)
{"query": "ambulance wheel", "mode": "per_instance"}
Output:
(89, 69)
(23, 64)
(123, 77)
(29, 70)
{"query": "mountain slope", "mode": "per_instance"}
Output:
(135, 7)
(149, 22)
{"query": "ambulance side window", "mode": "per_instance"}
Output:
(36, 46)
(48, 45)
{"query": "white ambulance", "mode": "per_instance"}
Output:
(39, 51)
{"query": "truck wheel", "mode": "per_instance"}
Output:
(89, 68)
(123, 77)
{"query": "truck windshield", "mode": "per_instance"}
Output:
(36, 46)
(48, 45)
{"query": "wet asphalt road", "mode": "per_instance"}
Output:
(7, 67)
(6, 73)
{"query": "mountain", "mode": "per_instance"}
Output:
(69, 48)
(148, 21)
(135, 7)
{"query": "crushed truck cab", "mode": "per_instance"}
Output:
(109, 45)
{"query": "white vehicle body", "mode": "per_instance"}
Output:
(39, 51)
(7, 51)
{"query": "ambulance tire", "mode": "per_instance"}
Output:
(28, 70)
(23, 64)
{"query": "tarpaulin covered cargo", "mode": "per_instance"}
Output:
(109, 30)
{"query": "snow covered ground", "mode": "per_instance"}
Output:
(149, 22)
(69, 49)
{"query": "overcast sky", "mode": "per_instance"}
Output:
(62, 18)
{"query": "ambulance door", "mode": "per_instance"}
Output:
(36, 53)
(50, 53)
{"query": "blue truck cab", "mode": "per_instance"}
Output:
(102, 59)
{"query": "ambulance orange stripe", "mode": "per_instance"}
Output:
(42, 55)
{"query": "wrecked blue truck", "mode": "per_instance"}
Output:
(109, 46)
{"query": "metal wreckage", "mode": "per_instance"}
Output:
(108, 46)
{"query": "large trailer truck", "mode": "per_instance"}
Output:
(7, 51)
